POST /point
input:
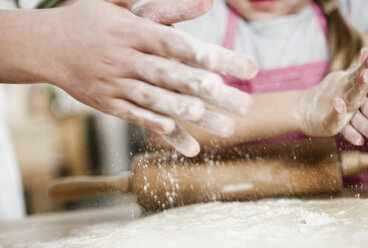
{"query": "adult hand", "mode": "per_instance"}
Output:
(338, 104)
(143, 72)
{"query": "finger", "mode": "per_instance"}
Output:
(363, 58)
(217, 123)
(352, 135)
(169, 103)
(360, 123)
(161, 100)
(182, 142)
(339, 108)
(171, 11)
(169, 130)
(356, 70)
(176, 76)
(168, 42)
(358, 92)
(364, 108)
(142, 117)
(338, 113)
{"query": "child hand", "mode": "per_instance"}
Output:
(145, 73)
(339, 104)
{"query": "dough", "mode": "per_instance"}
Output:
(267, 223)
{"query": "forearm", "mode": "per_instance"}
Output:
(25, 45)
(272, 115)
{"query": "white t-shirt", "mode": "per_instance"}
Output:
(281, 42)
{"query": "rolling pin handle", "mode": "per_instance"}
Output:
(354, 163)
(83, 187)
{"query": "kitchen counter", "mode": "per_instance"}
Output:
(41, 228)
(46, 229)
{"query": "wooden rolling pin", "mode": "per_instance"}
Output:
(162, 181)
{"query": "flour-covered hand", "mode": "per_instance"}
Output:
(143, 72)
(338, 104)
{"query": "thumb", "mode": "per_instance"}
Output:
(166, 11)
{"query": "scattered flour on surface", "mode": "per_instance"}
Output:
(266, 223)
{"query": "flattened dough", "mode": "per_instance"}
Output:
(267, 223)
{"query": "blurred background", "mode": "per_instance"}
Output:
(54, 136)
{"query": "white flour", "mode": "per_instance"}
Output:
(268, 223)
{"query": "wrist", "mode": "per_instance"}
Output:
(52, 51)
(300, 110)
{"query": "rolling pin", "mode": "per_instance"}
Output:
(161, 181)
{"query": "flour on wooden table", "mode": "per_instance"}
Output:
(267, 223)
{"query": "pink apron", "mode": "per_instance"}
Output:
(297, 77)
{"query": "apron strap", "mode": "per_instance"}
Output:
(232, 23)
(321, 17)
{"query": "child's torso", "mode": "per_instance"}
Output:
(282, 42)
(278, 47)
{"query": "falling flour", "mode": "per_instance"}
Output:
(267, 223)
